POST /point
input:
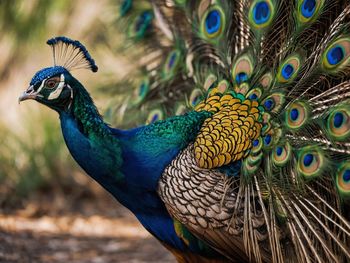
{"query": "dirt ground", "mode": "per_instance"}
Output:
(96, 230)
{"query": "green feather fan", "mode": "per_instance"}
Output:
(287, 199)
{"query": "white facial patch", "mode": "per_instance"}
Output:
(41, 86)
(57, 92)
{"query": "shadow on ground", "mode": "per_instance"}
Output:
(28, 247)
(94, 229)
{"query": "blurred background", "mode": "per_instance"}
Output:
(50, 211)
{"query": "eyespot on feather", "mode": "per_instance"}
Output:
(308, 10)
(266, 117)
(289, 69)
(337, 55)
(250, 168)
(311, 162)
(281, 154)
(297, 115)
(257, 145)
(213, 22)
(141, 91)
(271, 138)
(171, 64)
(242, 69)
(254, 94)
(266, 80)
(338, 123)
(223, 86)
(195, 97)
(242, 89)
(342, 179)
(274, 102)
(209, 81)
(141, 25)
(254, 159)
(155, 115)
(268, 140)
(261, 13)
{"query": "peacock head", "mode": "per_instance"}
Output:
(55, 86)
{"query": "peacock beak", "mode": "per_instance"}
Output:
(28, 94)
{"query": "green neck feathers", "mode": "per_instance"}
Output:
(103, 149)
(86, 112)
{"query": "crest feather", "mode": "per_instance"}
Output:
(71, 54)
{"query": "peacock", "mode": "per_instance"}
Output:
(244, 150)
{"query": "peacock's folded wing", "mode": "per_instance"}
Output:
(212, 206)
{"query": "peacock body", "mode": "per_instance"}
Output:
(245, 156)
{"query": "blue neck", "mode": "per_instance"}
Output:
(134, 190)
(129, 164)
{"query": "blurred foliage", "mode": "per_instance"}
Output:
(36, 163)
(25, 22)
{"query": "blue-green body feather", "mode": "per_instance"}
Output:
(129, 164)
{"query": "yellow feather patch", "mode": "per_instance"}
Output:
(228, 134)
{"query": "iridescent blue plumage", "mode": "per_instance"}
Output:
(338, 119)
(269, 104)
(129, 163)
(308, 158)
(213, 21)
(255, 143)
(287, 71)
(279, 150)
(241, 77)
(308, 8)
(346, 176)
(261, 12)
(267, 139)
(47, 73)
(294, 113)
(335, 55)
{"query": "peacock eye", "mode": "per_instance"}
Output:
(50, 83)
